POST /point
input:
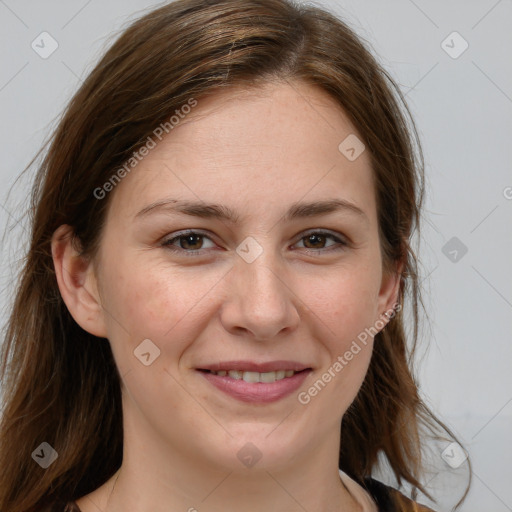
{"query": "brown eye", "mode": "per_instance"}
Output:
(189, 243)
(315, 241)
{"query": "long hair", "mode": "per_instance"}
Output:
(60, 383)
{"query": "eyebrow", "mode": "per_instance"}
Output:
(216, 211)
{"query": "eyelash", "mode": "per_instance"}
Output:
(198, 252)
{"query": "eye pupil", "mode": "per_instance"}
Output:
(191, 243)
(188, 239)
(313, 237)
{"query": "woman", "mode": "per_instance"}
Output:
(210, 314)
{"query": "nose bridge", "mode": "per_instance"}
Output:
(260, 301)
(259, 268)
(262, 276)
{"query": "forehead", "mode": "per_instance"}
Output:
(279, 142)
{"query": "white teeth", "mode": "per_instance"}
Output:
(271, 376)
(251, 376)
(256, 376)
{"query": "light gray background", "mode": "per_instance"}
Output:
(463, 109)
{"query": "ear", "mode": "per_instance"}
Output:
(77, 282)
(389, 291)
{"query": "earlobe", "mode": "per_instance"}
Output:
(77, 282)
(389, 293)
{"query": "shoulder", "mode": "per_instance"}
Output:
(389, 499)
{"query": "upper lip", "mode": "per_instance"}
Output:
(252, 366)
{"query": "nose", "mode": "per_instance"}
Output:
(260, 301)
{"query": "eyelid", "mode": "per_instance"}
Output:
(341, 240)
(180, 234)
(320, 231)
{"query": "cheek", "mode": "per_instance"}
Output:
(349, 314)
(345, 301)
(345, 307)
(148, 300)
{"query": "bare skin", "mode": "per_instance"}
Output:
(301, 299)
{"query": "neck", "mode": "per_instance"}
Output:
(156, 476)
(129, 490)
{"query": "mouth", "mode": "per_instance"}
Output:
(254, 377)
(256, 382)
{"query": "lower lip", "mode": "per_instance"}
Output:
(262, 392)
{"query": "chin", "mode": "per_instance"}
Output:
(260, 448)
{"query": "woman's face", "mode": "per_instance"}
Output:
(258, 287)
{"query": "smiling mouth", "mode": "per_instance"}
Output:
(255, 377)
(256, 387)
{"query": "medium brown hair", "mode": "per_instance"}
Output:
(61, 383)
